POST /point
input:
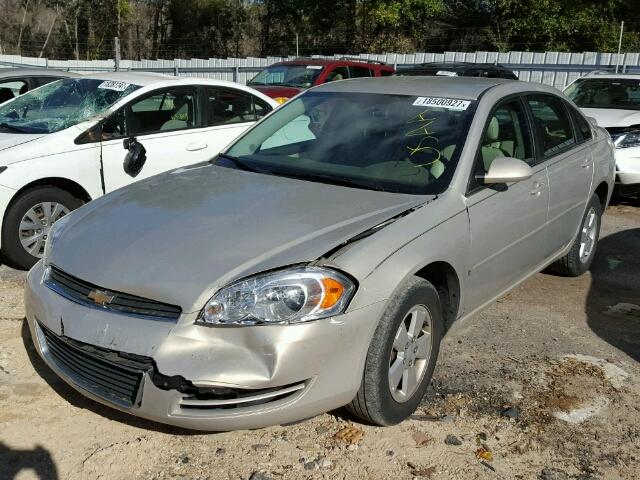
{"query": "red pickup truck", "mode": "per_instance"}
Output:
(284, 80)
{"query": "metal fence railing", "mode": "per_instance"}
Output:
(553, 68)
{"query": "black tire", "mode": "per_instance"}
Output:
(374, 402)
(13, 251)
(571, 265)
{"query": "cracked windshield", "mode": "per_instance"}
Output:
(61, 104)
(394, 143)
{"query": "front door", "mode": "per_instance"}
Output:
(507, 222)
(165, 122)
(175, 130)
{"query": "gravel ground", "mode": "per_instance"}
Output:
(544, 385)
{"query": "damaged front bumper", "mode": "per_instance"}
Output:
(197, 377)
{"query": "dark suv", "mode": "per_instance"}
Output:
(284, 80)
(458, 69)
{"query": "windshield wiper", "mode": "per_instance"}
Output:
(11, 128)
(242, 165)
(317, 177)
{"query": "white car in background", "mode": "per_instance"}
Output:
(76, 139)
(614, 101)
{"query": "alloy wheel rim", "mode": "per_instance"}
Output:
(410, 353)
(588, 235)
(36, 224)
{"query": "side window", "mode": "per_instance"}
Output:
(261, 108)
(12, 88)
(165, 110)
(494, 74)
(338, 73)
(552, 123)
(39, 81)
(582, 125)
(359, 72)
(226, 107)
(507, 135)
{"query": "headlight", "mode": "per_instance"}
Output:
(628, 139)
(53, 236)
(293, 295)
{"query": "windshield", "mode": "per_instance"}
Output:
(300, 76)
(61, 104)
(616, 93)
(393, 143)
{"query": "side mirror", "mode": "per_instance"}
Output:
(136, 157)
(506, 170)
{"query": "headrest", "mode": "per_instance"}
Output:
(493, 130)
(6, 94)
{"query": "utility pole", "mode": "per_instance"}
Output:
(619, 46)
(116, 53)
(297, 45)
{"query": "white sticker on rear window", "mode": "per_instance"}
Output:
(111, 85)
(446, 73)
(449, 103)
(314, 67)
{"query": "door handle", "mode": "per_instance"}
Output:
(586, 163)
(195, 146)
(538, 187)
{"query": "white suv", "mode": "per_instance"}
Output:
(76, 139)
(614, 101)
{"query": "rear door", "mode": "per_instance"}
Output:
(569, 163)
(227, 113)
(507, 222)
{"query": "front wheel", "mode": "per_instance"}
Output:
(28, 220)
(579, 258)
(401, 356)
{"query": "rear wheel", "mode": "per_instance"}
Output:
(28, 221)
(401, 356)
(579, 258)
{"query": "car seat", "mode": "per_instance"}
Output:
(23, 89)
(491, 144)
(182, 109)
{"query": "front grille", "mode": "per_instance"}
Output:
(79, 291)
(118, 382)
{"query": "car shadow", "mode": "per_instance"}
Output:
(613, 302)
(15, 461)
(80, 401)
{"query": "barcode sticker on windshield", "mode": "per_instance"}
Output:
(449, 103)
(313, 67)
(111, 85)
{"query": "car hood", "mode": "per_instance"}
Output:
(275, 92)
(608, 117)
(179, 236)
(9, 140)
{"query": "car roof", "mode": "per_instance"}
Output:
(466, 88)
(136, 78)
(459, 65)
(34, 72)
(611, 75)
(332, 61)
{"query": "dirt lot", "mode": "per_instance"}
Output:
(545, 384)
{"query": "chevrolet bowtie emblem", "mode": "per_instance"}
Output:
(100, 297)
